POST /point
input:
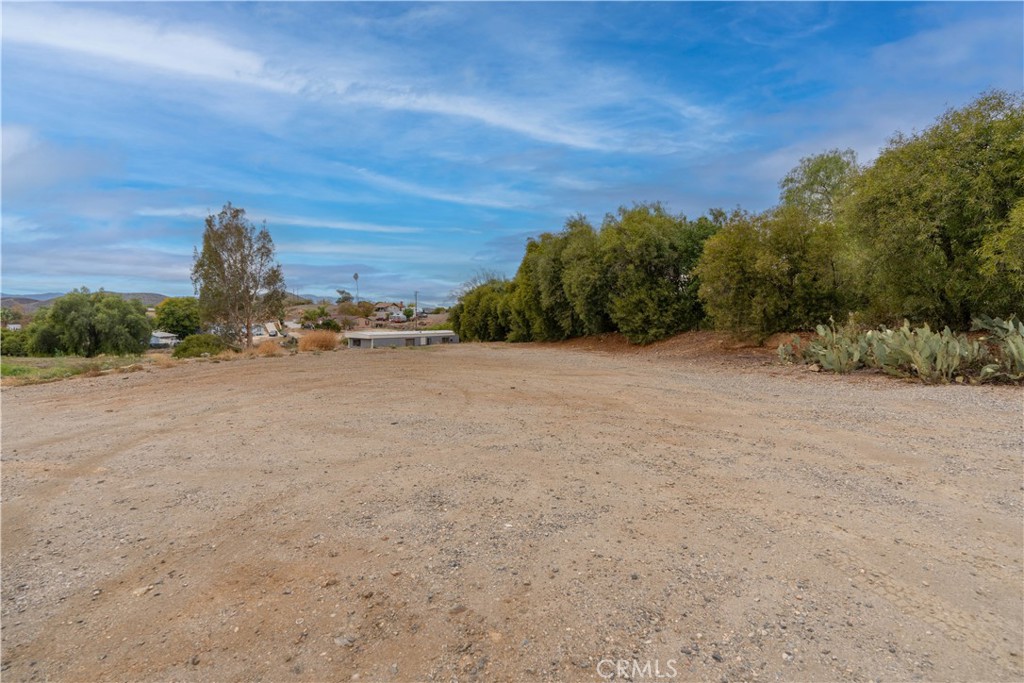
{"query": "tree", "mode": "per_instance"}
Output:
(344, 296)
(650, 256)
(13, 342)
(933, 216)
(14, 314)
(87, 324)
(584, 276)
(481, 313)
(1002, 255)
(314, 315)
(537, 308)
(820, 183)
(178, 315)
(775, 271)
(238, 282)
(408, 312)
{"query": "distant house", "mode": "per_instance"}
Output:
(163, 340)
(378, 339)
(14, 326)
(384, 310)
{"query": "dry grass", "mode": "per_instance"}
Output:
(318, 340)
(268, 348)
(163, 360)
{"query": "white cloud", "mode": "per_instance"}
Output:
(958, 51)
(276, 219)
(139, 43)
(497, 197)
(516, 118)
(554, 101)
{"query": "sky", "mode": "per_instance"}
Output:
(418, 144)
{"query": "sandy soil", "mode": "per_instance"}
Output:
(494, 512)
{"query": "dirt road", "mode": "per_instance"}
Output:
(494, 512)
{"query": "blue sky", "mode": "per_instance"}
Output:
(417, 144)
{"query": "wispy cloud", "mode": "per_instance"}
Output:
(514, 118)
(495, 197)
(428, 140)
(114, 36)
(272, 219)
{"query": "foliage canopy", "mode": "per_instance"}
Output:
(238, 282)
(81, 323)
(178, 315)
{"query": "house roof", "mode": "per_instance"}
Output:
(396, 334)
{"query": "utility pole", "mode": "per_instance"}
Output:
(416, 310)
(355, 276)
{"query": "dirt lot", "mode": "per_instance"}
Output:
(494, 512)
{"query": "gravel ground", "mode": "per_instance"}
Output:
(495, 512)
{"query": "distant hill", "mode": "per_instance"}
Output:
(31, 303)
(32, 297)
(293, 299)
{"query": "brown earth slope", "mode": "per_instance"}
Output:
(494, 512)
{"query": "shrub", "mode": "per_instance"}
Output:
(84, 323)
(13, 342)
(328, 324)
(320, 340)
(269, 348)
(196, 345)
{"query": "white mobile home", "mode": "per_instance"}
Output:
(378, 339)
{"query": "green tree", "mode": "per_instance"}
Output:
(344, 296)
(238, 282)
(775, 271)
(650, 256)
(315, 315)
(13, 342)
(537, 307)
(584, 277)
(87, 324)
(1002, 256)
(481, 313)
(178, 315)
(408, 312)
(933, 216)
(820, 183)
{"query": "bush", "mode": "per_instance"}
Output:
(84, 323)
(328, 324)
(320, 340)
(196, 345)
(269, 348)
(13, 342)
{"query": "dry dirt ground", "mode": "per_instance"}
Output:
(495, 512)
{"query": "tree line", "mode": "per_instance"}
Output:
(931, 231)
(236, 278)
